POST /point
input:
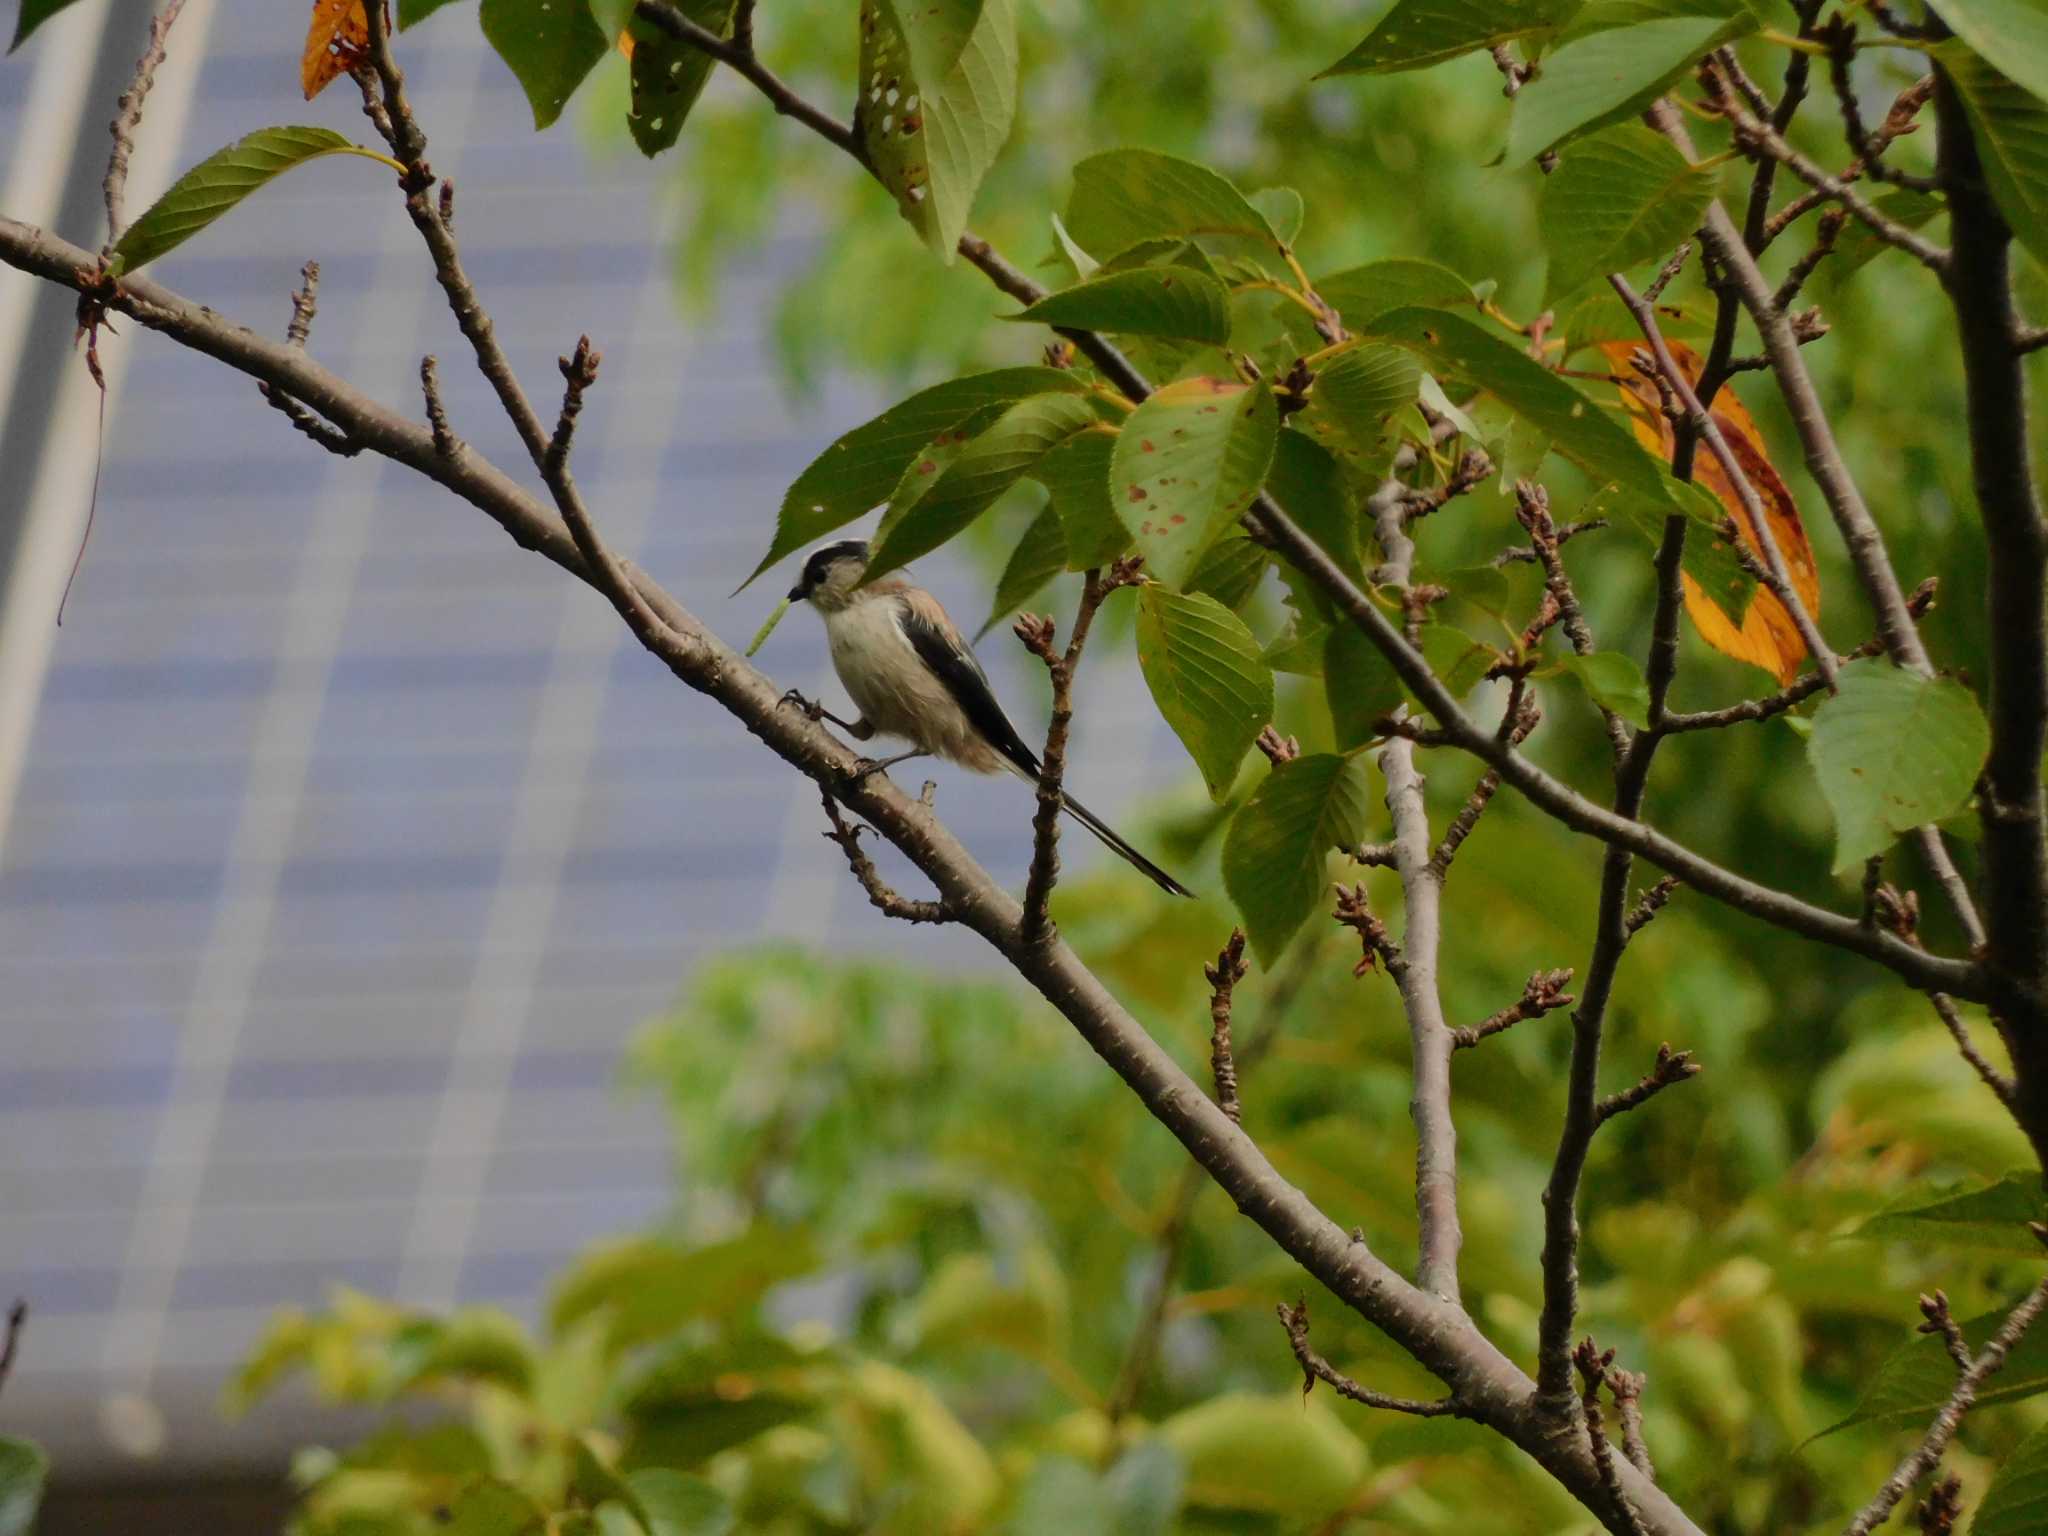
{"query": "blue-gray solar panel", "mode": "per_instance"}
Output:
(352, 841)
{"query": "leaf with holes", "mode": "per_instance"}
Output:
(992, 462)
(937, 92)
(1354, 407)
(668, 75)
(1760, 631)
(1614, 682)
(1418, 33)
(337, 39)
(1128, 196)
(2010, 125)
(1990, 1220)
(1617, 199)
(860, 470)
(1894, 751)
(1615, 58)
(1186, 465)
(220, 181)
(1205, 674)
(549, 45)
(1359, 685)
(1147, 301)
(1039, 556)
(1276, 850)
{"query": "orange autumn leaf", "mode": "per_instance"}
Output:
(336, 42)
(1767, 637)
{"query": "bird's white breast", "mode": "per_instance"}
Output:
(893, 688)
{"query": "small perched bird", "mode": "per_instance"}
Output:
(913, 675)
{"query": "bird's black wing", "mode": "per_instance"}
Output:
(942, 649)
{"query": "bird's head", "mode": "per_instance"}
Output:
(832, 575)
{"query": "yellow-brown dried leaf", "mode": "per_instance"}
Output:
(1767, 637)
(337, 40)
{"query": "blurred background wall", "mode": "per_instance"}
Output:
(342, 843)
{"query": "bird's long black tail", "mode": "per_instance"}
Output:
(1122, 849)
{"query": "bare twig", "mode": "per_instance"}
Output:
(579, 372)
(17, 1315)
(1938, 1513)
(128, 115)
(1649, 904)
(1376, 945)
(1627, 1387)
(1514, 73)
(1224, 976)
(305, 304)
(1593, 1363)
(1922, 1458)
(1543, 992)
(1940, 1320)
(1516, 554)
(1839, 35)
(445, 440)
(1826, 233)
(1315, 1368)
(885, 898)
(1670, 1067)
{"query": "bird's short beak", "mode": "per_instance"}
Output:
(796, 593)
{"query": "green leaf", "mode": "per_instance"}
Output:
(1362, 294)
(1147, 301)
(2016, 1504)
(549, 44)
(1314, 492)
(646, 1287)
(1283, 1454)
(1076, 473)
(971, 1300)
(23, 1471)
(986, 467)
(1298, 649)
(938, 90)
(1186, 465)
(1203, 668)
(1458, 660)
(2014, 32)
(413, 12)
(1359, 684)
(1039, 556)
(1616, 199)
(1230, 571)
(2010, 126)
(680, 1505)
(1589, 436)
(1126, 196)
(1283, 210)
(1894, 751)
(1084, 265)
(1993, 1219)
(1614, 682)
(222, 180)
(471, 1344)
(33, 14)
(1355, 403)
(1918, 1376)
(863, 467)
(668, 74)
(491, 1508)
(1419, 33)
(1274, 853)
(1617, 57)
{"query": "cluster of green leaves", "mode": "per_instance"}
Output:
(876, 1308)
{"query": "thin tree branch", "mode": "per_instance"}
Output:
(17, 1315)
(1648, 905)
(1315, 1368)
(738, 55)
(128, 115)
(1922, 1458)
(1593, 1363)
(1542, 993)
(885, 897)
(1940, 1320)
(1671, 1067)
(1439, 1237)
(2015, 843)
(445, 440)
(1627, 1387)
(1223, 978)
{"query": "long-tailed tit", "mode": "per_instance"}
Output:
(912, 674)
